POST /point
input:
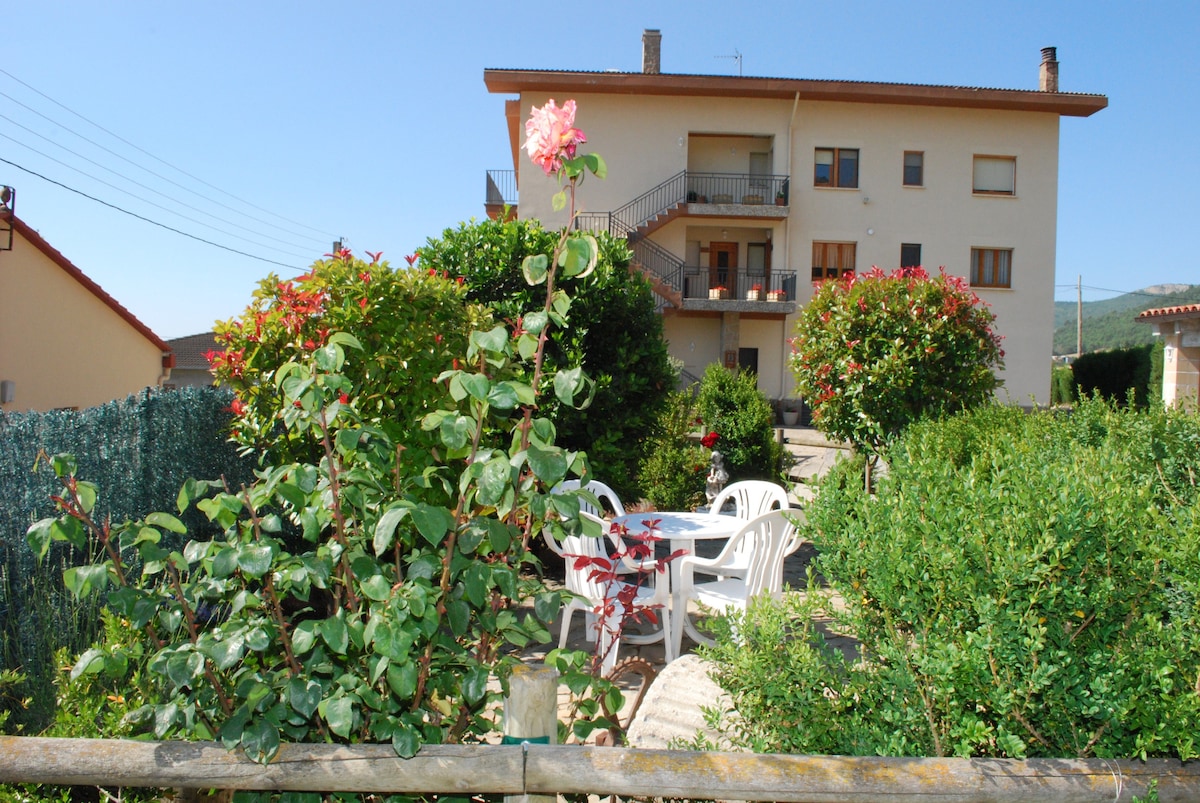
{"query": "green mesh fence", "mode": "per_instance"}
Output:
(138, 451)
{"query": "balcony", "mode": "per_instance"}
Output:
(733, 290)
(501, 192)
(740, 194)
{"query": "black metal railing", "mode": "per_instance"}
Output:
(649, 204)
(738, 283)
(593, 221)
(501, 188)
(736, 188)
(687, 187)
(658, 261)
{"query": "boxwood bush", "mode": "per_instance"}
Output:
(1020, 585)
(730, 404)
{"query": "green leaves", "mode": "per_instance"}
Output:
(876, 352)
(83, 581)
(535, 269)
(365, 586)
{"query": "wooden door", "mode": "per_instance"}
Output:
(722, 265)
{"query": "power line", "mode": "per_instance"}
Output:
(137, 183)
(147, 201)
(1110, 290)
(148, 220)
(156, 158)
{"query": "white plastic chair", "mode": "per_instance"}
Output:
(767, 539)
(751, 498)
(602, 492)
(607, 497)
(598, 597)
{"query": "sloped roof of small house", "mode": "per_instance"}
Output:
(55, 256)
(1170, 313)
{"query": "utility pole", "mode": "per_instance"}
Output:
(1078, 315)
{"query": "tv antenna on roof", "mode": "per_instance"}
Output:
(737, 56)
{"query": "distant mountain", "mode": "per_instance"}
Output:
(1110, 324)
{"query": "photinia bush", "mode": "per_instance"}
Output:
(412, 324)
(875, 353)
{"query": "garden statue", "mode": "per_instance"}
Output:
(717, 477)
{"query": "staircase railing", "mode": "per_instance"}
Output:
(671, 192)
(683, 187)
(658, 261)
(651, 256)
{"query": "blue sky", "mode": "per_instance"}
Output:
(300, 122)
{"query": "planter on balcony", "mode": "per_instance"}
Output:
(752, 295)
(717, 294)
(776, 295)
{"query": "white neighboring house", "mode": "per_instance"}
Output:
(727, 184)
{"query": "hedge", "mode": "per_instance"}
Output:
(138, 450)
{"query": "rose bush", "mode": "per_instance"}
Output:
(402, 592)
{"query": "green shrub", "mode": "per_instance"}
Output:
(615, 335)
(730, 404)
(1117, 373)
(674, 472)
(1021, 585)
(1062, 385)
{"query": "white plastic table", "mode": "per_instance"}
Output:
(682, 530)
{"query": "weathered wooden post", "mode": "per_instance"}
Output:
(531, 714)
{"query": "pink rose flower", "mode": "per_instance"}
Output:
(550, 134)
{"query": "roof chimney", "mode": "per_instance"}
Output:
(1048, 78)
(651, 51)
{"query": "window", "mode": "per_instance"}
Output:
(836, 167)
(991, 267)
(832, 260)
(914, 168)
(995, 175)
(910, 255)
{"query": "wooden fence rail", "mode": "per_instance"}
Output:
(572, 769)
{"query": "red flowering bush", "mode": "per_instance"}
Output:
(709, 440)
(411, 323)
(875, 352)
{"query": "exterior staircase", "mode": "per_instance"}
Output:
(669, 201)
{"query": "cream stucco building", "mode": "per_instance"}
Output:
(64, 342)
(1179, 328)
(727, 184)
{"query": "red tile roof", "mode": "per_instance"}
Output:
(1183, 311)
